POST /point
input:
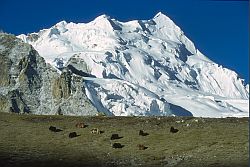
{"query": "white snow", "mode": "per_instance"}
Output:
(144, 67)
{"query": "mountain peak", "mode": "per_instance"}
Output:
(105, 22)
(160, 14)
(162, 19)
(103, 17)
(61, 23)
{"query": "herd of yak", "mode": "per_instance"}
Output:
(113, 136)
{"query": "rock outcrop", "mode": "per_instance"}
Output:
(29, 85)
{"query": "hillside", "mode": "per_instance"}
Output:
(25, 140)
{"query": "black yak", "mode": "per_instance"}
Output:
(72, 135)
(173, 130)
(117, 145)
(141, 133)
(115, 136)
(54, 129)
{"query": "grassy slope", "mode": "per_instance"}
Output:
(25, 140)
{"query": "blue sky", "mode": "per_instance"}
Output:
(219, 28)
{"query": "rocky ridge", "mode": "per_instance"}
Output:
(29, 85)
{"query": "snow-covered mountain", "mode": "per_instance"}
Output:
(142, 67)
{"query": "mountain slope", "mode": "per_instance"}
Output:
(29, 85)
(142, 67)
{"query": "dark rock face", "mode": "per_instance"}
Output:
(21, 79)
(29, 85)
(61, 87)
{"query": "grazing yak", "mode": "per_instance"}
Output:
(117, 145)
(115, 136)
(95, 131)
(80, 125)
(141, 147)
(141, 133)
(173, 130)
(73, 134)
(54, 129)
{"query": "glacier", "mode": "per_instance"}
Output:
(142, 68)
